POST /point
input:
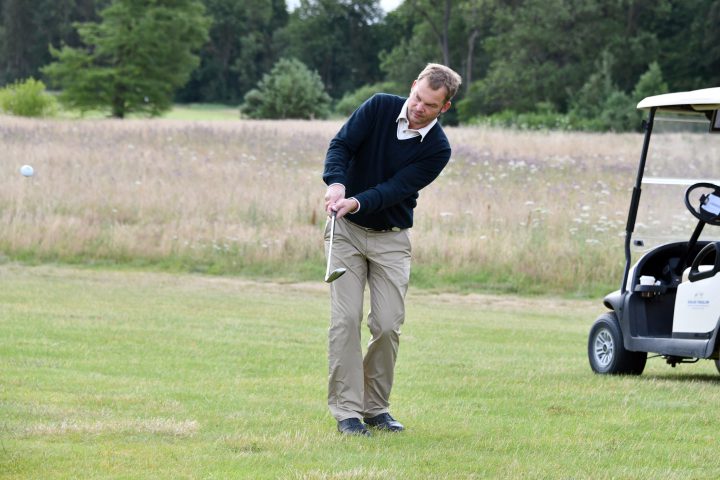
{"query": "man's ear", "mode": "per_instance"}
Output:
(445, 107)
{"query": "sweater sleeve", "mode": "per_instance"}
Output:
(347, 141)
(405, 183)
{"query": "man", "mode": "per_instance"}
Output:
(388, 150)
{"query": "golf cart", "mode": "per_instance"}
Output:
(668, 304)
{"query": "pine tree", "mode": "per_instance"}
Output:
(136, 57)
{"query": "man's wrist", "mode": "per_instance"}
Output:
(358, 205)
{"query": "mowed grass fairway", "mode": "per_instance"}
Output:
(151, 375)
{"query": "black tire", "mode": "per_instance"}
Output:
(606, 351)
(717, 365)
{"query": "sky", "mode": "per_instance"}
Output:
(387, 5)
(390, 5)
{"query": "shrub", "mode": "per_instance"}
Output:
(477, 101)
(588, 102)
(619, 114)
(27, 99)
(290, 90)
(544, 117)
(600, 105)
(352, 100)
(650, 83)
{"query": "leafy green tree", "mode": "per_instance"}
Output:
(545, 50)
(513, 54)
(239, 51)
(532, 62)
(437, 16)
(16, 40)
(710, 35)
(450, 32)
(477, 101)
(690, 45)
(290, 90)
(619, 114)
(589, 101)
(406, 51)
(650, 83)
(135, 59)
(27, 27)
(447, 32)
(339, 39)
(403, 63)
(600, 104)
(477, 18)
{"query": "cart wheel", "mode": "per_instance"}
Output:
(717, 365)
(606, 351)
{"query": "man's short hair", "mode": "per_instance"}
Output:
(441, 76)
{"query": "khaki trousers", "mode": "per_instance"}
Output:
(360, 387)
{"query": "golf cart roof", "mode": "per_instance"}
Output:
(693, 101)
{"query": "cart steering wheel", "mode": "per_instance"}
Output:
(708, 210)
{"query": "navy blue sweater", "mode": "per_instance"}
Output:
(383, 173)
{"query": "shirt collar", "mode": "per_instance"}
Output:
(403, 116)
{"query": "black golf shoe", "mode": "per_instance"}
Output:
(352, 426)
(384, 422)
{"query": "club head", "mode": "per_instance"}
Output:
(335, 274)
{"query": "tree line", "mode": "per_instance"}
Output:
(541, 60)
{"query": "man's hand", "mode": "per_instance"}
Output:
(335, 201)
(335, 193)
(345, 205)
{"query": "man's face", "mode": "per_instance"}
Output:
(425, 104)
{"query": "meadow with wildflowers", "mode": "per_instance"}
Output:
(514, 211)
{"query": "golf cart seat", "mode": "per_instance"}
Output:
(696, 313)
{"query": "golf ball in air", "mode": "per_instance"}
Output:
(27, 171)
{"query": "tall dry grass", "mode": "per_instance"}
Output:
(527, 211)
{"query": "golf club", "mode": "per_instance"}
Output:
(338, 272)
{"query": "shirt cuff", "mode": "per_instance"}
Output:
(358, 202)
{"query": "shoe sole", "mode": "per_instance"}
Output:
(366, 433)
(384, 428)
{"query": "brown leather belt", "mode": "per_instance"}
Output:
(375, 230)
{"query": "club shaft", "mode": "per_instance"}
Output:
(332, 236)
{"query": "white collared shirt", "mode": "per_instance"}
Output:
(404, 131)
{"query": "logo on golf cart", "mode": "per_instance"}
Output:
(698, 301)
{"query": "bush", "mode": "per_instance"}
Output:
(477, 101)
(544, 117)
(619, 113)
(650, 83)
(352, 100)
(600, 105)
(290, 90)
(589, 101)
(27, 99)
